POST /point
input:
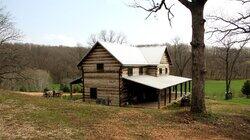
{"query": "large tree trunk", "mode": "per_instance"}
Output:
(198, 60)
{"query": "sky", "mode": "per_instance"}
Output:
(68, 22)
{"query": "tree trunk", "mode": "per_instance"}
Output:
(198, 60)
(227, 79)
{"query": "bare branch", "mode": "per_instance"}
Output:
(155, 7)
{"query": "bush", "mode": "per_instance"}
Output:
(246, 88)
(45, 89)
(64, 88)
(22, 89)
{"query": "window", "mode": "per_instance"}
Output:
(166, 70)
(140, 71)
(130, 71)
(99, 67)
(93, 93)
(160, 70)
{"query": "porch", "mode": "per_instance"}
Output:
(156, 92)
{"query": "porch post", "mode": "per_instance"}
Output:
(83, 86)
(185, 88)
(70, 86)
(159, 98)
(169, 100)
(189, 86)
(165, 97)
(175, 92)
(181, 89)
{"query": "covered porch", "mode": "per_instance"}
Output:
(157, 92)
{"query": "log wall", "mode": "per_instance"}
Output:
(106, 81)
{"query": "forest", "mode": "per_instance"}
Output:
(41, 65)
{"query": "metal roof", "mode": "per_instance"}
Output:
(131, 55)
(153, 55)
(126, 54)
(160, 82)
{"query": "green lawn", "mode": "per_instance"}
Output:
(215, 89)
(54, 86)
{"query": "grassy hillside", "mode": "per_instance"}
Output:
(25, 116)
(215, 89)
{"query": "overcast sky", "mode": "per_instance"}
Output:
(68, 22)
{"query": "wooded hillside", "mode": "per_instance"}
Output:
(58, 63)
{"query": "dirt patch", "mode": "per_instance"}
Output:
(32, 93)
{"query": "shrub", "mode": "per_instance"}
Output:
(64, 88)
(246, 88)
(45, 89)
(22, 89)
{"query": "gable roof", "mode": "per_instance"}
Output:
(130, 55)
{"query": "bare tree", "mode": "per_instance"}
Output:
(196, 8)
(109, 36)
(229, 55)
(181, 54)
(7, 30)
(237, 25)
(10, 64)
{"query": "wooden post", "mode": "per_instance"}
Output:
(71, 92)
(119, 88)
(175, 92)
(159, 98)
(83, 87)
(181, 89)
(189, 86)
(185, 85)
(165, 97)
(169, 99)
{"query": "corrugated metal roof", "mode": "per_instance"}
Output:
(159, 82)
(126, 54)
(131, 55)
(153, 54)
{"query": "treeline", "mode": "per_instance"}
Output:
(41, 65)
(215, 62)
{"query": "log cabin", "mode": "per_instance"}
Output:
(120, 74)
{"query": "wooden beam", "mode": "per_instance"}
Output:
(159, 98)
(83, 86)
(185, 85)
(165, 97)
(71, 92)
(189, 86)
(120, 74)
(181, 89)
(175, 92)
(169, 99)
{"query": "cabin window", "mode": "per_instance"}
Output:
(166, 70)
(140, 71)
(130, 71)
(99, 67)
(160, 70)
(93, 93)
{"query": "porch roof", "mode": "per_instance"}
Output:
(160, 82)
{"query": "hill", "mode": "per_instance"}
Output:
(25, 116)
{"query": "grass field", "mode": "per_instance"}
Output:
(216, 89)
(30, 117)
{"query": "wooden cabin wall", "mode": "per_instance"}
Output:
(135, 71)
(152, 70)
(164, 64)
(107, 81)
